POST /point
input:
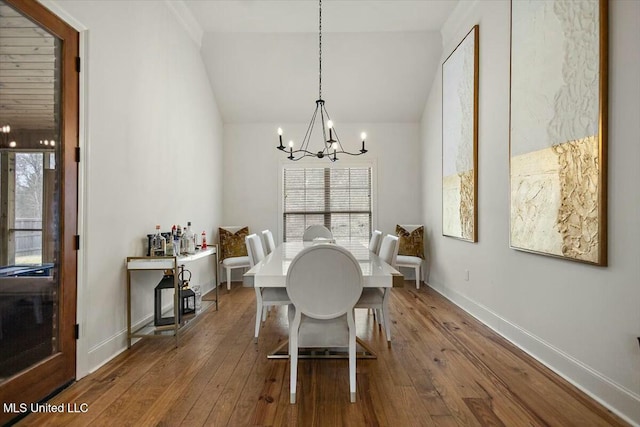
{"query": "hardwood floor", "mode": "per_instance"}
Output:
(444, 369)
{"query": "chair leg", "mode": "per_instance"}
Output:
(258, 313)
(386, 318)
(293, 375)
(352, 357)
(418, 277)
(264, 313)
(228, 279)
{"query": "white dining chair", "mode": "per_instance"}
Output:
(269, 242)
(374, 243)
(410, 261)
(378, 298)
(324, 282)
(314, 231)
(234, 233)
(265, 297)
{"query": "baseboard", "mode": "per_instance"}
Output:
(618, 399)
(103, 352)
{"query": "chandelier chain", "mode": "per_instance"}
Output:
(320, 53)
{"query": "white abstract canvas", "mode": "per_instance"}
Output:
(459, 139)
(557, 141)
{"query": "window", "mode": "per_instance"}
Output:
(338, 198)
(26, 205)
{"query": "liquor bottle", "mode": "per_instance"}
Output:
(204, 240)
(158, 243)
(188, 240)
(176, 245)
(170, 247)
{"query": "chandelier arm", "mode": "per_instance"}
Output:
(324, 131)
(349, 153)
(307, 135)
(335, 133)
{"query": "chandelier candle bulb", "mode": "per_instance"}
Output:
(281, 147)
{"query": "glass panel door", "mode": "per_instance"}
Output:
(38, 202)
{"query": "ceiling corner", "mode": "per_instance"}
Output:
(186, 19)
(456, 19)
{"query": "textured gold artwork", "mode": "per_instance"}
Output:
(554, 200)
(578, 215)
(466, 204)
(558, 143)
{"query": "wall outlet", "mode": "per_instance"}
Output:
(466, 275)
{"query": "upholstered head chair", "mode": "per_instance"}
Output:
(324, 282)
(314, 231)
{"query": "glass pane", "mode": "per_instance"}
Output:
(28, 247)
(340, 226)
(360, 227)
(30, 191)
(360, 178)
(360, 200)
(295, 224)
(314, 178)
(314, 200)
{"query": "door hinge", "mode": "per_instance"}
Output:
(76, 330)
(76, 242)
(77, 154)
(77, 64)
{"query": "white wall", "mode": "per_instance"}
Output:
(580, 320)
(152, 155)
(252, 170)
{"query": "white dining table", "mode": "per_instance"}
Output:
(272, 270)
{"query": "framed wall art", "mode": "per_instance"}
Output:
(460, 140)
(558, 129)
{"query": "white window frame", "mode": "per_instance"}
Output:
(324, 163)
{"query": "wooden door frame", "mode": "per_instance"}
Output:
(40, 380)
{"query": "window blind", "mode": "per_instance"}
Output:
(338, 198)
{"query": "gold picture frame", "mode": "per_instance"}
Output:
(558, 129)
(460, 139)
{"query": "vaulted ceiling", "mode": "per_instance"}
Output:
(379, 58)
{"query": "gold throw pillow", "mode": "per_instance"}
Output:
(411, 244)
(232, 244)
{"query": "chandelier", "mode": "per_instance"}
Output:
(4, 137)
(332, 146)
